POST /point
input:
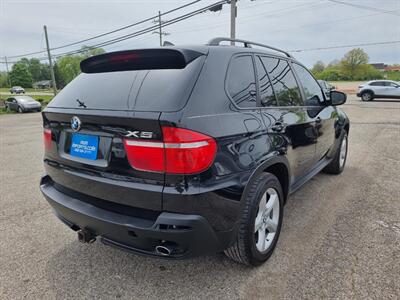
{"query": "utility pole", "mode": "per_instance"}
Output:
(160, 32)
(53, 78)
(8, 72)
(233, 20)
(160, 27)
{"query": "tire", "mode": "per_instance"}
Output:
(20, 110)
(246, 248)
(336, 166)
(367, 96)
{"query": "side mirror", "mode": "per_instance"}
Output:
(337, 98)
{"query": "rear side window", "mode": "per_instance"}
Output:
(311, 88)
(265, 87)
(286, 89)
(143, 90)
(241, 83)
(378, 83)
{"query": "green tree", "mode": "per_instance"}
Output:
(91, 51)
(318, 68)
(352, 62)
(68, 67)
(330, 74)
(38, 70)
(20, 75)
(3, 79)
(60, 83)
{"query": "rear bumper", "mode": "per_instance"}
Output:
(188, 235)
(33, 108)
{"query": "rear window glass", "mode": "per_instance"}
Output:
(241, 81)
(145, 90)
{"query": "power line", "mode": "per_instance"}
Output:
(327, 23)
(365, 7)
(145, 30)
(346, 46)
(154, 27)
(109, 32)
(274, 13)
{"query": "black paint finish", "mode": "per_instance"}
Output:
(299, 139)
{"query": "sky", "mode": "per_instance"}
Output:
(286, 24)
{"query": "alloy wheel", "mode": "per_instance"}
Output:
(343, 152)
(267, 219)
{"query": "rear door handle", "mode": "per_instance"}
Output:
(278, 127)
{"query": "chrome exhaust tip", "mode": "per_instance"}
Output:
(163, 250)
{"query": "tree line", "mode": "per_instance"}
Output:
(353, 66)
(25, 72)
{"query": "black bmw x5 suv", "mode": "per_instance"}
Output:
(180, 151)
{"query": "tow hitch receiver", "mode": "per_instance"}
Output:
(85, 236)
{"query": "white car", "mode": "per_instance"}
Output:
(379, 89)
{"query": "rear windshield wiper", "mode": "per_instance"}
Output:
(81, 103)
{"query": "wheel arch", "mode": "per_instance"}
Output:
(277, 165)
(367, 91)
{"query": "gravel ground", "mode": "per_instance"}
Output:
(340, 238)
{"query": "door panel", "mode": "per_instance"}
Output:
(391, 90)
(325, 118)
(298, 132)
(289, 121)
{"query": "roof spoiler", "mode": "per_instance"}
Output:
(141, 59)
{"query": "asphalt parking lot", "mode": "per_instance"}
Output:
(340, 237)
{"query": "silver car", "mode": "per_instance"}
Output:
(379, 89)
(17, 90)
(22, 104)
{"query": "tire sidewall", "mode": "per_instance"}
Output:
(345, 136)
(257, 257)
(20, 110)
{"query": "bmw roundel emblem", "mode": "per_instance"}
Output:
(75, 123)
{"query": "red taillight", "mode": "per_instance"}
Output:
(47, 138)
(182, 151)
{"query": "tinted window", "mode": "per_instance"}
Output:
(145, 90)
(378, 83)
(392, 84)
(241, 81)
(311, 88)
(284, 83)
(265, 87)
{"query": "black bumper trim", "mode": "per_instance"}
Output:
(192, 234)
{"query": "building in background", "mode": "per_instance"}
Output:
(43, 84)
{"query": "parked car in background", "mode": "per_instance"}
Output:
(180, 151)
(17, 90)
(326, 87)
(379, 89)
(22, 104)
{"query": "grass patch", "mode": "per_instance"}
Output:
(43, 99)
(27, 90)
(3, 111)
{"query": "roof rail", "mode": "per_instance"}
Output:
(216, 41)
